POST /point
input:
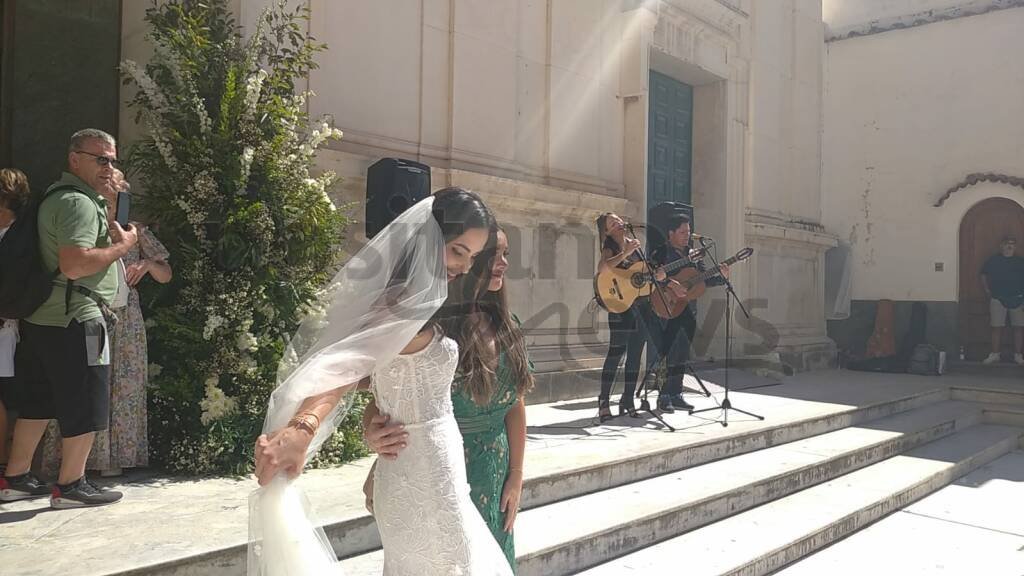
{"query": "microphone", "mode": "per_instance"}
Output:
(702, 239)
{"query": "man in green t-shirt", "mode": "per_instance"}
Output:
(62, 365)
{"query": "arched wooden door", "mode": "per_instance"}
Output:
(982, 228)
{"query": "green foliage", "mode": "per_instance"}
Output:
(253, 235)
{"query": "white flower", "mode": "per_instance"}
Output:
(252, 92)
(162, 145)
(246, 341)
(216, 404)
(247, 156)
(249, 364)
(268, 311)
(205, 123)
(213, 322)
(146, 84)
(330, 203)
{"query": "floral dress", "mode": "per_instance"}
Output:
(125, 443)
(485, 441)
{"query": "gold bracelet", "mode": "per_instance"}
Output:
(301, 423)
(312, 415)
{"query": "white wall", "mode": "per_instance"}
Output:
(476, 83)
(785, 105)
(908, 114)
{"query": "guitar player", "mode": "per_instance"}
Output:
(1003, 279)
(677, 333)
(629, 330)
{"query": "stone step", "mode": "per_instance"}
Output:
(1008, 415)
(1010, 396)
(565, 536)
(969, 527)
(764, 539)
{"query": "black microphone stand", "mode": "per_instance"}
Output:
(730, 295)
(645, 405)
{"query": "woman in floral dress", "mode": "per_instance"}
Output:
(487, 397)
(124, 444)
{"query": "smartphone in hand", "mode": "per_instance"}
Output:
(124, 206)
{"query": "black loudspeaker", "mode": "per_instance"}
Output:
(657, 222)
(392, 186)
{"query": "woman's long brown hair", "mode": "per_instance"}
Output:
(477, 363)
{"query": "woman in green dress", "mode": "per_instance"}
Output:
(487, 398)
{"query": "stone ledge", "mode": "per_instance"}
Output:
(971, 8)
(790, 233)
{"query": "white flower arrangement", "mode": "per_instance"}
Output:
(251, 230)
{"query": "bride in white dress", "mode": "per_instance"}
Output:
(380, 330)
(427, 521)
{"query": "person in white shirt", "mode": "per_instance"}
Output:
(14, 195)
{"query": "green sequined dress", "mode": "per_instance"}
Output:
(486, 447)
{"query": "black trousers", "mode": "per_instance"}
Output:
(674, 338)
(631, 331)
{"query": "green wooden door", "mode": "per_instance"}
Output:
(670, 141)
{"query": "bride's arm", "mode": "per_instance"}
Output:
(285, 449)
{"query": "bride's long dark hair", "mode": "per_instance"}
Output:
(456, 211)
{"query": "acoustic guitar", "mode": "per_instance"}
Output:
(693, 280)
(616, 289)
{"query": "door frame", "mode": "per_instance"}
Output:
(964, 275)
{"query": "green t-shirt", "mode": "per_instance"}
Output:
(71, 218)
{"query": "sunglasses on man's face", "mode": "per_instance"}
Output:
(102, 160)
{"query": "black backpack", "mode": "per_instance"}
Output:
(24, 283)
(924, 360)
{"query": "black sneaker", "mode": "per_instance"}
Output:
(22, 487)
(665, 405)
(81, 493)
(678, 402)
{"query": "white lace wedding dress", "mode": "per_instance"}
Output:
(427, 521)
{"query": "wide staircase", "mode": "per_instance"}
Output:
(750, 503)
(837, 452)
